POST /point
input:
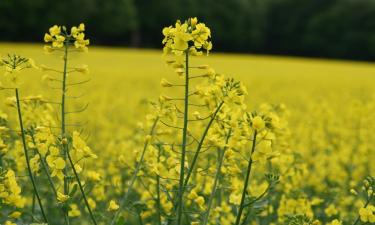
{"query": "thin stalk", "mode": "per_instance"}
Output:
(238, 219)
(199, 147)
(81, 189)
(140, 219)
(27, 158)
(158, 204)
(45, 168)
(184, 138)
(134, 176)
(217, 176)
(33, 204)
(63, 131)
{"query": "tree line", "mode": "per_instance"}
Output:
(318, 28)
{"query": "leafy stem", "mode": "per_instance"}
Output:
(246, 183)
(135, 174)
(81, 188)
(36, 192)
(217, 176)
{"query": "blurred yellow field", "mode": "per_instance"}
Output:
(307, 124)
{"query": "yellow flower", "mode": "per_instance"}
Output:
(48, 38)
(258, 123)
(15, 214)
(335, 222)
(83, 69)
(94, 176)
(61, 197)
(367, 214)
(56, 163)
(55, 30)
(74, 211)
(330, 210)
(113, 206)
(9, 223)
(92, 203)
(165, 83)
(200, 201)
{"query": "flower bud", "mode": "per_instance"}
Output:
(165, 83)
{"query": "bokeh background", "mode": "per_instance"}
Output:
(316, 28)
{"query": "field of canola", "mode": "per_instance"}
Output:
(296, 134)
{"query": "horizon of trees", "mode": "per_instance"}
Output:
(317, 28)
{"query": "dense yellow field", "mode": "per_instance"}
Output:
(325, 149)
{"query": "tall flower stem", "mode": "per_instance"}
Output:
(81, 188)
(63, 131)
(199, 148)
(44, 166)
(184, 137)
(134, 175)
(27, 158)
(158, 203)
(217, 176)
(246, 183)
(64, 144)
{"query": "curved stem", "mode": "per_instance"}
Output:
(27, 157)
(199, 147)
(217, 176)
(184, 138)
(81, 189)
(195, 158)
(44, 166)
(134, 176)
(239, 214)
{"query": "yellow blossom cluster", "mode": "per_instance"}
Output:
(59, 37)
(190, 35)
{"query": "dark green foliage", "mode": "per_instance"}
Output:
(319, 28)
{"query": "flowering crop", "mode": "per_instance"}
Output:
(204, 151)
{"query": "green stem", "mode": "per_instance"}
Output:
(184, 138)
(81, 189)
(217, 176)
(195, 158)
(27, 157)
(158, 204)
(238, 219)
(33, 204)
(44, 166)
(134, 176)
(63, 131)
(140, 219)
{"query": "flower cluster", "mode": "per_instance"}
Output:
(190, 35)
(13, 65)
(59, 37)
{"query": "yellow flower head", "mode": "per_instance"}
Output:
(113, 206)
(61, 197)
(190, 35)
(367, 214)
(258, 123)
(59, 37)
